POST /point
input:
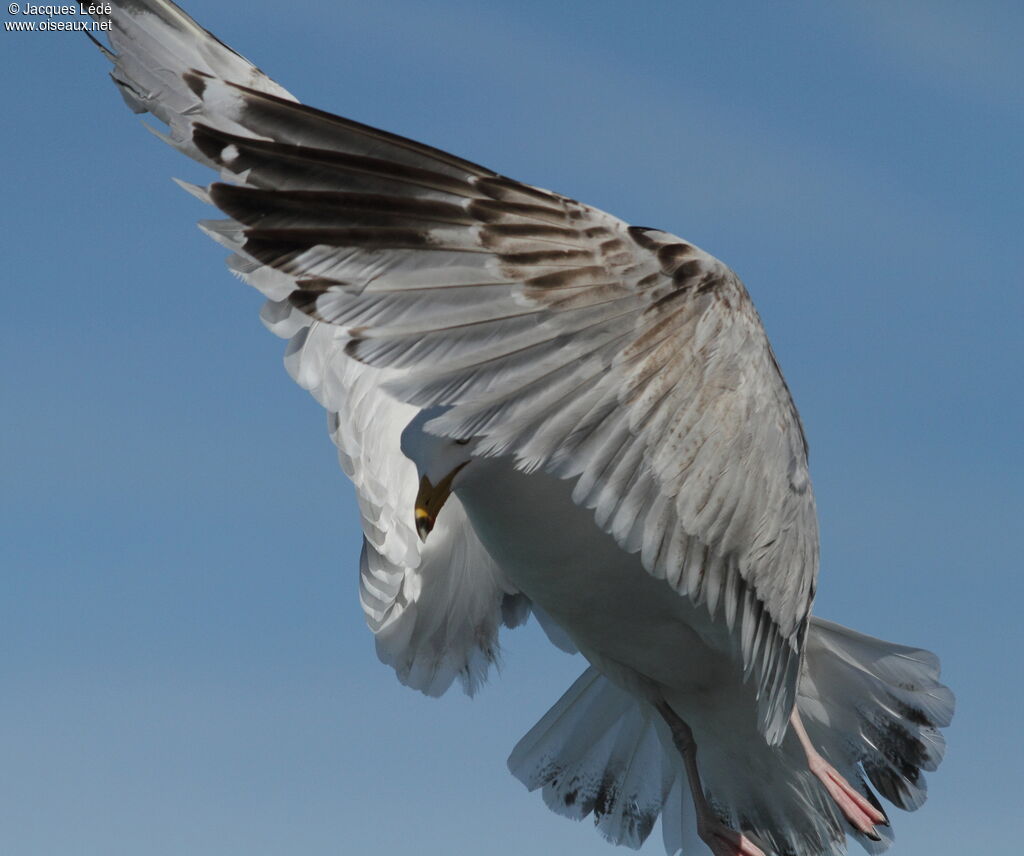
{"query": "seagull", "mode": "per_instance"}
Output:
(547, 411)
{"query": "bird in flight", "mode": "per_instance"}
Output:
(545, 410)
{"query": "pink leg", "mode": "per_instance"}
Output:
(722, 840)
(851, 802)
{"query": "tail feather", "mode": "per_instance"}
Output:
(679, 820)
(769, 793)
(599, 751)
(873, 710)
(886, 704)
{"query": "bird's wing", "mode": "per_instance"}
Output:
(434, 608)
(623, 357)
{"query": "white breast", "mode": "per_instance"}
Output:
(634, 627)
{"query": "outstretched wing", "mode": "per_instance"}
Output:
(623, 357)
(434, 608)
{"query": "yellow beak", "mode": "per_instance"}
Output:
(430, 500)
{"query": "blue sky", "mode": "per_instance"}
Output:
(184, 667)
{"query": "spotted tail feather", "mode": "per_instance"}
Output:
(599, 751)
(875, 707)
(872, 709)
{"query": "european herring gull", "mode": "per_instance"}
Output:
(545, 409)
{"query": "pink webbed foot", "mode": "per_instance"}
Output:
(851, 802)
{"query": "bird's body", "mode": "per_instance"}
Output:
(573, 415)
(624, 620)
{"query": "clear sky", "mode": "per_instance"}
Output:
(184, 667)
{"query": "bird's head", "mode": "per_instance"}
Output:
(439, 463)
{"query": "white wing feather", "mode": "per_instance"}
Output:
(434, 608)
